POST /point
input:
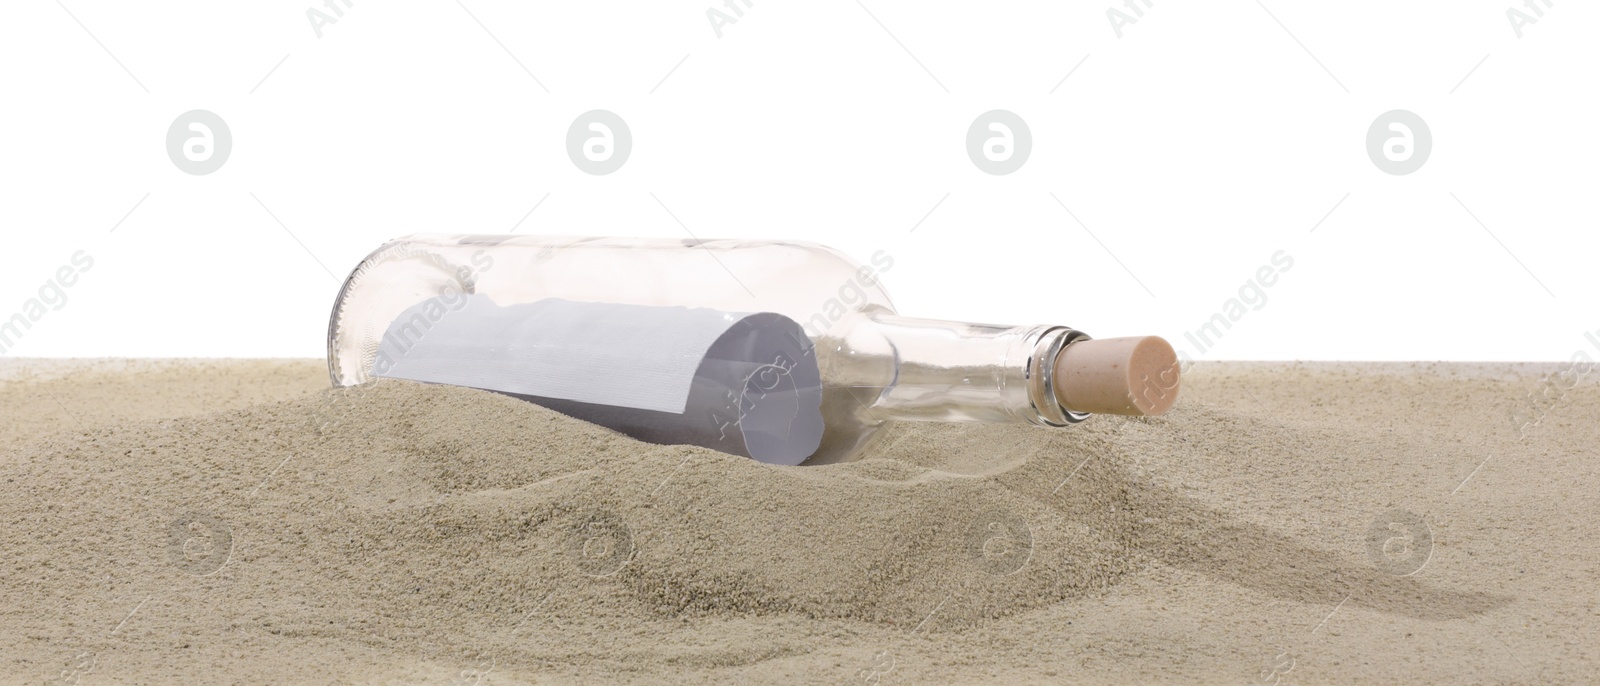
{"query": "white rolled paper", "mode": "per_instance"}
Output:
(739, 382)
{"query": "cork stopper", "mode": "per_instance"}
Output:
(1135, 376)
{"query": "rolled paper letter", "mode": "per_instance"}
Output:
(739, 382)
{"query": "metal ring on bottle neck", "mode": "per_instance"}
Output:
(1042, 371)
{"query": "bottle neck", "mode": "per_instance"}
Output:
(947, 371)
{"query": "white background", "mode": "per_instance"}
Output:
(1193, 147)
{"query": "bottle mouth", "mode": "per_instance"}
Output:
(1041, 375)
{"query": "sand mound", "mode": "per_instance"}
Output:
(460, 524)
(414, 497)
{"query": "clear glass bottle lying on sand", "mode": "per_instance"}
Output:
(418, 294)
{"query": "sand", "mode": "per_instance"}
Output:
(238, 522)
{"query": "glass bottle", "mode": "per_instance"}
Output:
(874, 364)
